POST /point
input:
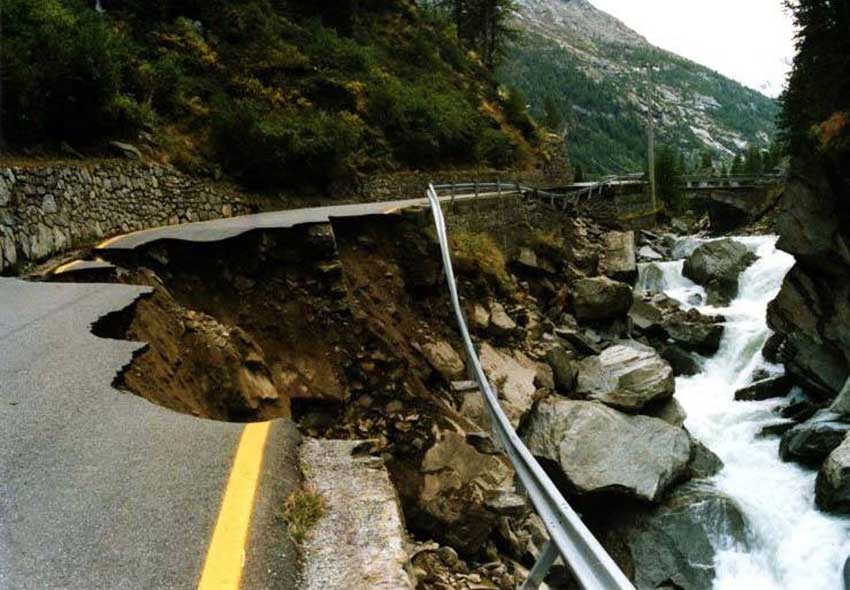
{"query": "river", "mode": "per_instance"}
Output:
(792, 545)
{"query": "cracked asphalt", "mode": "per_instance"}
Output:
(100, 489)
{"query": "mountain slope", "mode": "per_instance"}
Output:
(591, 69)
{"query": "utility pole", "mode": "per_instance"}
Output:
(651, 137)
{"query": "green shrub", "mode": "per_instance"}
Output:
(496, 148)
(516, 113)
(266, 148)
(425, 126)
(63, 69)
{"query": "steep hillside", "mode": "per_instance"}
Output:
(275, 93)
(591, 70)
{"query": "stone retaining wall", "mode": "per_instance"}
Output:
(45, 210)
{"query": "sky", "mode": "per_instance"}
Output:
(750, 41)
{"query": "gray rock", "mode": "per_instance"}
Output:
(810, 442)
(618, 259)
(564, 368)
(457, 483)
(626, 377)
(501, 324)
(704, 462)
(671, 411)
(600, 298)
(513, 376)
(647, 253)
(841, 404)
(529, 260)
(599, 449)
(765, 389)
(832, 487)
(674, 546)
(716, 265)
(682, 361)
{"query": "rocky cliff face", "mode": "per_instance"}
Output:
(812, 312)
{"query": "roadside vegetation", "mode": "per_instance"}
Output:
(302, 511)
(270, 92)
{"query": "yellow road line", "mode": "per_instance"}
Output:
(226, 553)
(65, 267)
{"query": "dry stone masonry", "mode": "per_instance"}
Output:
(45, 210)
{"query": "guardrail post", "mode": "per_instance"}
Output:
(499, 188)
(453, 193)
(541, 566)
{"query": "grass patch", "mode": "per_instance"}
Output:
(302, 510)
(477, 252)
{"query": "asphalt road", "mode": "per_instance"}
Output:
(222, 229)
(101, 489)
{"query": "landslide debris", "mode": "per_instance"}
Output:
(348, 328)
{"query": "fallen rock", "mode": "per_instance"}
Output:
(661, 317)
(673, 547)
(618, 259)
(530, 261)
(777, 428)
(599, 449)
(765, 389)
(458, 482)
(832, 487)
(501, 324)
(564, 368)
(716, 265)
(480, 317)
(577, 341)
(600, 298)
(443, 358)
(626, 377)
(810, 442)
(512, 374)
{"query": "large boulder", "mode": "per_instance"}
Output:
(807, 315)
(627, 377)
(832, 487)
(810, 442)
(459, 487)
(660, 317)
(716, 265)
(599, 449)
(600, 298)
(513, 376)
(619, 260)
(675, 545)
(501, 324)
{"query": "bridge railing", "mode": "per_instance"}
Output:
(561, 199)
(568, 536)
(695, 181)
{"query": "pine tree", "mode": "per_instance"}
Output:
(551, 115)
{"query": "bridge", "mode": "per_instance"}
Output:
(731, 201)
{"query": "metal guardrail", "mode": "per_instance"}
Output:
(564, 199)
(568, 536)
